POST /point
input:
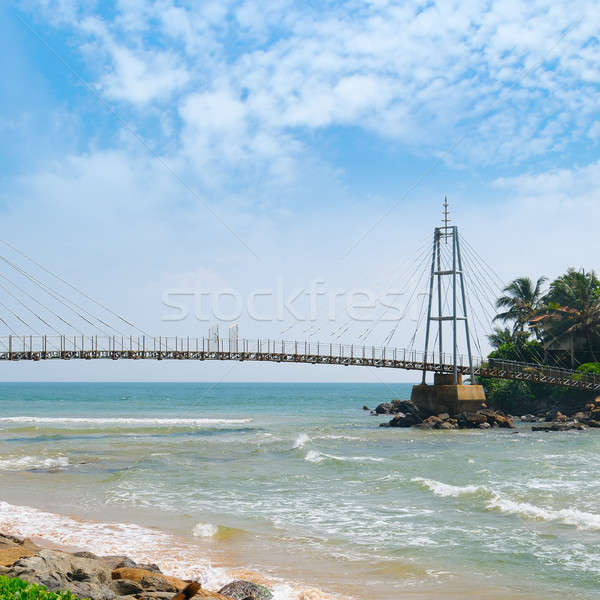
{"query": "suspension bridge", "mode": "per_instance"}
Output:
(45, 304)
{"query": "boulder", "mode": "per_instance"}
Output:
(448, 425)
(126, 587)
(385, 408)
(365, 407)
(137, 574)
(432, 422)
(559, 427)
(155, 583)
(397, 406)
(503, 421)
(13, 548)
(471, 420)
(528, 418)
(246, 590)
(484, 425)
(85, 577)
(405, 420)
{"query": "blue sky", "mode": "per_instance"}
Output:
(158, 145)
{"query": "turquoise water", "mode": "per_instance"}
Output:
(297, 482)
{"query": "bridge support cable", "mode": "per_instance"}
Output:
(415, 269)
(76, 289)
(70, 325)
(489, 288)
(61, 299)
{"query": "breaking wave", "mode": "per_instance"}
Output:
(204, 530)
(496, 501)
(26, 463)
(447, 490)
(314, 456)
(144, 421)
(301, 440)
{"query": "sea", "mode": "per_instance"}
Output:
(294, 484)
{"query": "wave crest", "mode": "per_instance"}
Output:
(26, 463)
(496, 501)
(144, 421)
(315, 456)
(204, 530)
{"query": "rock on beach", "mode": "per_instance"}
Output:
(108, 577)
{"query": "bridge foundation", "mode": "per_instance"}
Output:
(446, 396)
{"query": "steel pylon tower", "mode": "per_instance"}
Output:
(439, 269)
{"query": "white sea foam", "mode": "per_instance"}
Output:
(144, 421)
(301, 440)
(498, 501)
(445, 489)
(204, 530)
(315, 456)
(142, 544)
(568, 516)
(26, 463)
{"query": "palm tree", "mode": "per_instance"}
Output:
(573, 306)
(522, 302)
(506, 337)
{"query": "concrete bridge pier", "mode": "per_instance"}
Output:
(446, 396)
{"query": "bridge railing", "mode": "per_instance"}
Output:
(511, 366)
(118, 344)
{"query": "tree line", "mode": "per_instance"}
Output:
(556, 323)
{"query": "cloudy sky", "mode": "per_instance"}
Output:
(172, 148)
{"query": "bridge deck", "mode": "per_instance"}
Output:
(36, 348)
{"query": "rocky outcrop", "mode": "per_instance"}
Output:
(556, 420)
(408, 415)
(85, 577)
(149, 579)
(559, 427)
(396, 407)
(108, 577)
(13, 548)
(246, 590)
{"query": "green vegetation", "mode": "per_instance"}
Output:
(558, 326)
(16, 589)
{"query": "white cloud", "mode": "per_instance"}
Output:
(513, 80)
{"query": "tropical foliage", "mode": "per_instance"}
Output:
(558, 326)
(16, 589)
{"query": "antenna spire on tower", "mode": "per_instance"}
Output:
(446, 219)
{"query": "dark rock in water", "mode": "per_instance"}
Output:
(246, 590)
(365, 407)
(448, 425)
(397, 406)
(85, 577)
(385, 408)
(405, 420)
(485, 425)
(471, 420)
(559, 427)
(529, 418)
